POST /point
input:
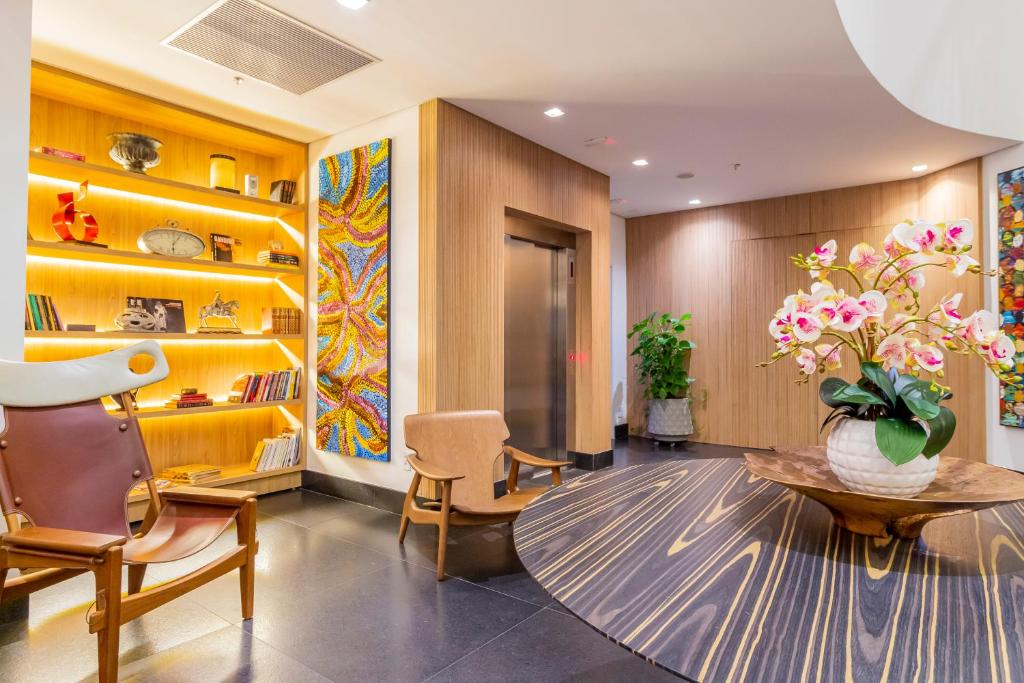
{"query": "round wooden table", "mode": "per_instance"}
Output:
(717, 575)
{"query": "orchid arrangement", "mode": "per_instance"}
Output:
(883, 322)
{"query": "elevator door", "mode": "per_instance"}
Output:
(536, 296)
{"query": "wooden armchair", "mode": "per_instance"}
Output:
(458, 450)
(67, 467)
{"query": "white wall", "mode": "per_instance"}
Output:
(403, 129)
(16, 39)
(1005, 445)
(619, 348)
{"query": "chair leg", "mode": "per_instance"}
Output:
(246, 526)
(556, 476)
(442, 527)
(410, 497)
(136, 575)
(108, 595)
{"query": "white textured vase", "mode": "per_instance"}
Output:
(669, 419)
(854, 458)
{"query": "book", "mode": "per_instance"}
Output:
(169, 313)
(223, 247)
(282, 191)
(63, 154)
(37, 321)
(191, 473)
(188, 404)
(277, 452)
(257, 387)
(41, 314)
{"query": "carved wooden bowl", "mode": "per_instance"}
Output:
(960, 486)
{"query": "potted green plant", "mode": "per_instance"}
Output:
(664, 356)
(889, 427)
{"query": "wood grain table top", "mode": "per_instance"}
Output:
(717, 575)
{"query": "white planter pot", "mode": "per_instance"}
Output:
(854, 458)
(669, 419)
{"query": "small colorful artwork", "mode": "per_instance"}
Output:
(1011, 286)
(352, 298)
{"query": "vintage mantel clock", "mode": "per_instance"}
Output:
(170, 240)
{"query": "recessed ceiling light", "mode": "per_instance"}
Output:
(640, 162)
(695, 202)
(353, 4)
(917, 168)
(554, 112)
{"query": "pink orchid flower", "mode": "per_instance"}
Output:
(894, 351)
(927, 356)
(824, 255)
(807, 327)
(850, 315)
(918, 236)
(960, 263)
(863, 257)
(807, 361)
(875, 303)
(830, 352)
(979, 327)
(1001, 350)
(959, 234)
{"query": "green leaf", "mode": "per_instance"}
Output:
(828, 387)
(900, 440)
(875, 373)
(919, 404)
(942, 428)
(852, 393)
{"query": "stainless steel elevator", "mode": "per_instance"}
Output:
(539, 314)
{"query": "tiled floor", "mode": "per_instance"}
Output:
(338, 599)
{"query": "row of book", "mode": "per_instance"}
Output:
(283, 191)
(279, 385)
(281, 320)
(276, 257)
(277, 452)
(41, 314)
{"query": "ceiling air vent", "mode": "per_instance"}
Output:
(250, 38)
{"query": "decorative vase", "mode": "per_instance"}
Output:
(669, 419)
(134, 151)
(854, 458)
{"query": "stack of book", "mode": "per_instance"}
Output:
(281, 320)
(191, 474)
(282, 191)
(41, 314)
(280, 451)
(189, 398)
(255, 387)
(62, 153)
(274, 257)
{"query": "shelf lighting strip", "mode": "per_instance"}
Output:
(102, 190)
(105, 341)
(74, 262)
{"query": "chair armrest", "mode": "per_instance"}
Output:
(61, 541)
(431, 472)
(206, 496)
(533, 460)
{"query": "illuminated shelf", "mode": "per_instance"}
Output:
(234, 474)
(158, 336)
(160, 188)
(160, 411)
(77, 252)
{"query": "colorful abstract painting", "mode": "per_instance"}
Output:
(1011, 285)
(352, 297)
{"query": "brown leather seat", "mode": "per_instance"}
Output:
(458, 450)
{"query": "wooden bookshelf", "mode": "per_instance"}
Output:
(90, 285)
(65, 250)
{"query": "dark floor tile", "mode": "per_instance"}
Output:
(397, 624)
(551, 646)
(378, 530)
(303, 507)
(229, 654)
(488, 559)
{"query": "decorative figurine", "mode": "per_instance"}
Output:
(66, 213)
(219, 308)
(134, 151)
(252, 185)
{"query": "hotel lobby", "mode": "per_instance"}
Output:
(392, 340)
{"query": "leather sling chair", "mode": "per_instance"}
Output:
(67, 466)
(458, 450)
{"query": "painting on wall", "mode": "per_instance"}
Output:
(1011, 285)
(352, 302)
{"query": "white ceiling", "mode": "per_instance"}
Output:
(690, 85)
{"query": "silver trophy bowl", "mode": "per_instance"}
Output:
(134, 151)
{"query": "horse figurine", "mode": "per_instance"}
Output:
(219, 309)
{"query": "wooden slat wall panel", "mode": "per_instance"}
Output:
(471, 172)
(728, 266)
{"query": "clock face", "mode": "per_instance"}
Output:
(171, 242)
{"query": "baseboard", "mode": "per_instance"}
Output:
(621, 431)
(356, 491)
(592, 461)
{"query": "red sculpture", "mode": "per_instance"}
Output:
(64, 217)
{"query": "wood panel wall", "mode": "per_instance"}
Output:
(728, 266)
(472, 173)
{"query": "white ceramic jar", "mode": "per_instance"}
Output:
(854, 458)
